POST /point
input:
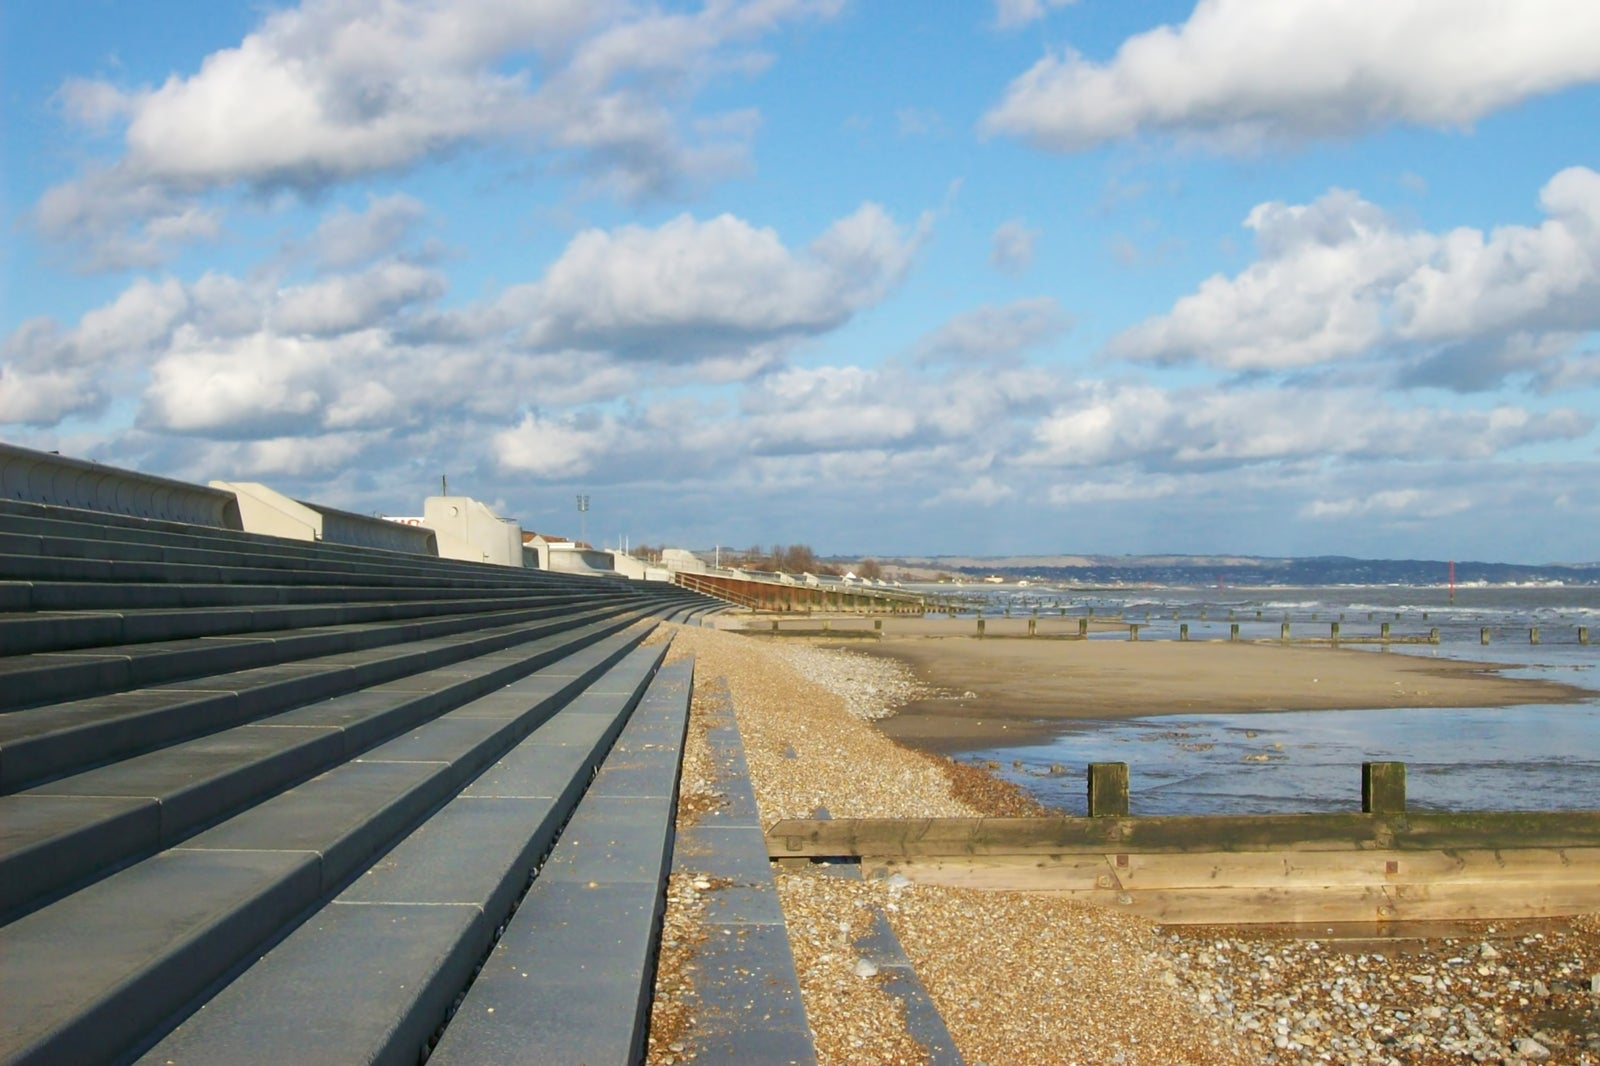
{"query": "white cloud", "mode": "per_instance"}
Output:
(688, 290)
(1011, 249)
(318, 455)
(685, 304)
(1339, 280)
(353, 301)
(348, 238)
(1516, 277)
(1315, 295)
(1242, 72)
(1201, 428)
(45, 397)
(1012, 13)
(121, 222)
(1134, 486)
(261, 385)
(556, 447)
(983, 491)
(1404, 503)
(995, 331)
(334, 90)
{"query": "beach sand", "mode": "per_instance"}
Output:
(1000, 692)
(1024, 978)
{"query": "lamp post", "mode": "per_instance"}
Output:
(583, 519)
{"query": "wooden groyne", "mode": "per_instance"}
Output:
(1382, 864)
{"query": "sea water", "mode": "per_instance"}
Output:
(1530, 757)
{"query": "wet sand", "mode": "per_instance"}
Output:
(1011, 692)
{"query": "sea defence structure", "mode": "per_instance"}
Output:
(292, 797)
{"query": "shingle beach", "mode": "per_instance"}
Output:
(1029, 978)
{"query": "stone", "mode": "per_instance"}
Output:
(1530, 1048)
(866, 968)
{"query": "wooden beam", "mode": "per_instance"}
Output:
(1292, 887)
(1443, 831)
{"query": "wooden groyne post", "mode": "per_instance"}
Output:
(1383, 788)
(1108, 790)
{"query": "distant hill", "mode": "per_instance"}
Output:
(1207, 570)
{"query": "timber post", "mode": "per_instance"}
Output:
(1383, 788)
(1108, 789)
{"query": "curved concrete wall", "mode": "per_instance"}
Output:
(41, 477)
(473, 525)
(270, 512)
(346, 527)
(580, 561)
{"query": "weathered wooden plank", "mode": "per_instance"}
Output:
(1268, 869)
(1009, 872)
(1331, 888)
(1508, 830)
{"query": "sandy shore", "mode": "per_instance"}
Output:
(1022, 978)
(999, 692)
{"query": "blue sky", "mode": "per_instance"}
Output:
(1016, 276)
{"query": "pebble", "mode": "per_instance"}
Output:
(1025, 979)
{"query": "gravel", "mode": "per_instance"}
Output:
(1024, 978)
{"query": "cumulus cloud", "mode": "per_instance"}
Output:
(244, 366)
(348, 238)
(1011, 248)
(1009, 14)
(1133, 486)
(347, 302)
(334, 90)
(1168, 430)
(118, 221)
(983, 491)
(1240, 73)
(995, 331)
(1409, 502)
(557, 447)
(1339, 280)
(689, 289)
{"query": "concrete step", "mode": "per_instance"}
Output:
(48, 677)
(570, 979)
(63, 833)
(18, 596)
(94, 975)
(41, 631)
(66, 524)
(39, 743)
(20, 518)
(745, 976)
(96, 537)
(371, 976)
(241, 570)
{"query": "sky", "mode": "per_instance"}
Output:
(892, 277)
